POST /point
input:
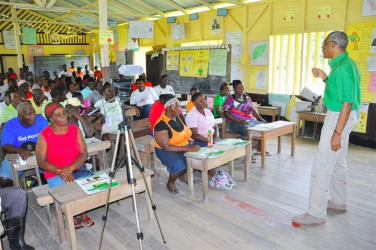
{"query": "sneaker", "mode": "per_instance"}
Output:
(332, 205)
(306, 219)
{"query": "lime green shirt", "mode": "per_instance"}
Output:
(342, 84)
(9, 113)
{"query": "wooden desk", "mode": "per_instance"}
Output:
(309, 116)
(71, 200)
(231, 153)
(271, 111)
(272, 130)
(94, 147)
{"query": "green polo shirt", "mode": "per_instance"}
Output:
(9, 113)
(342, 84)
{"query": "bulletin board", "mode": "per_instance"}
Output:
(203, 67)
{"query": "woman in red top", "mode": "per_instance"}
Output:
(62, 163)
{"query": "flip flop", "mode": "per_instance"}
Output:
(78, 225)
(173, 191)
(267, 153)
(253, 159)
(88, 222)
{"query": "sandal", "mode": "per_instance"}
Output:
(267, 153)
(253, 159)
(173, 191)
(88, 222)
(78, 225)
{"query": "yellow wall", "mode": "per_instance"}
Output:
(257, 21)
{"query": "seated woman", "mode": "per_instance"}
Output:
(240, 113)
(62, 164)
(171, 142)
(200, 120)
(220, 99)
(190, 104)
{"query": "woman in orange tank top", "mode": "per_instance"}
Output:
(171, 142)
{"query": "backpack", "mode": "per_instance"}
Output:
(222, 179)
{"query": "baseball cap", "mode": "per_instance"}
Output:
(74, 101)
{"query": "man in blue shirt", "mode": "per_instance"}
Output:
(89, 89)
(20, 135)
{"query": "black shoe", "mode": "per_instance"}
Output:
(15, 229)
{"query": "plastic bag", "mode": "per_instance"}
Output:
(222, 179)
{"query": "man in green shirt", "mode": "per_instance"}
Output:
(11, 111)
(341, 98)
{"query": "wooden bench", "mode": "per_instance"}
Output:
(44, 200)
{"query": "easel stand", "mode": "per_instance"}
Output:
(127, 159)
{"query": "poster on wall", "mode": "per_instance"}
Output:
(106, 37)
(29, 35)
(261, 79)
(373, 41)
(369, 8)
(259, 53)
(141, 29)
(361, 126)
(172, 60)
(178, 31)
(55, 38)
(279, 100)
(35, 50)
(194, 63)
(235, 39)
(132, 44)
(218, 62)
(9, 39)
(215, 26)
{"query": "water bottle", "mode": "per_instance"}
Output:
(210, 138)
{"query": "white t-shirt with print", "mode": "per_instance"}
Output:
(167, 90)
(112, 114)
(148, 96)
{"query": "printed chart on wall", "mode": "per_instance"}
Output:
(218, 62)
(361, 126)
(361, 49)
(259, 53)
(235, 39)
(172, 60)
(194, 63)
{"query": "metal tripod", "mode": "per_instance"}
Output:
(127, 160)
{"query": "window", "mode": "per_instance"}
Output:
(291, 59)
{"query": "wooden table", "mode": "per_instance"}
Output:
(231, 153)
(271, 130)
(309, 116)
(71, 200)
(271, 111)
(94, 147)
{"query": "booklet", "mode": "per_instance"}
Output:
(232, 142)
(96, 183)
(208, 152)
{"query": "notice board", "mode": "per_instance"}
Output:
(203, 67)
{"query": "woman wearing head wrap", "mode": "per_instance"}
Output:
(62, 164)
(171, 142)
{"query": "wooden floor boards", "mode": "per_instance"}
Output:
(254, 215)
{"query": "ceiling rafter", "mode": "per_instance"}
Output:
(150, 7)
(176, 6)
(206, 3)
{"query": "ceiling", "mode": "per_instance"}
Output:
(82, 16)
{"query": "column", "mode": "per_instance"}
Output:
(105, 61)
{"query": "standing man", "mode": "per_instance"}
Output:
(341, 98)
(97, 73)
(163, 88)
(72, 67)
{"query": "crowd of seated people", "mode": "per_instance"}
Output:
(39, 116)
